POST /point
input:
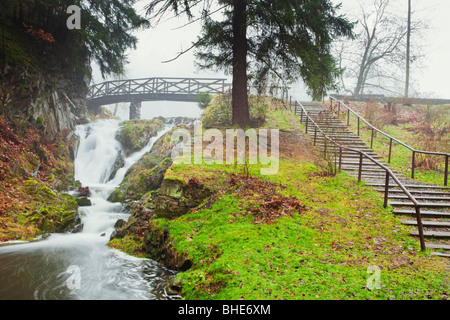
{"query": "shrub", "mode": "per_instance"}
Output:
(203, 99)
(219, 113)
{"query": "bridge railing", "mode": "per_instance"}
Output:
(340, 106)
(156, 85)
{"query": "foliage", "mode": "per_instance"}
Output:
(104, 36)
(33, 171)
(285, 40)
(39, 33)
(203, 99)
(219, 112)
(265, 41)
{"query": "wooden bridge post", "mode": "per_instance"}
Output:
(135, 109)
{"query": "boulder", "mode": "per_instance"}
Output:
(176, 198)
(84, 202)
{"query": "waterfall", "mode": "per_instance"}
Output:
(104, 273)
(97, 152)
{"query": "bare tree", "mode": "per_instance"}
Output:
(375, 60)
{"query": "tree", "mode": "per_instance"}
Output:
(104, 36)
(260, 40)
(376, 57)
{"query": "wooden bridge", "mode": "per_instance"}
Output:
(152, 89)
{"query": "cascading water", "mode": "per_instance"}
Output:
(80, 265)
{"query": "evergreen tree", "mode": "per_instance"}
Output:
(261, 40)
(104, 36)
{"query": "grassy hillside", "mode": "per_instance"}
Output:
(298, 234)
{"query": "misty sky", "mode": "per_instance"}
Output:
(166, 40)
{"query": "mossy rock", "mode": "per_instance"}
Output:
(176, 198)
(84, 202)
(147, 173)
(158, 245)
(136, 134)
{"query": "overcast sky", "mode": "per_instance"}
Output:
(166, 40)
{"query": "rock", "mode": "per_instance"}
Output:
(119, 163)
(136, 134)
(158, 246)
(147, 174)
(84, 202)
(84, 191)
(77, 228)
(175, 198)
(119, 223)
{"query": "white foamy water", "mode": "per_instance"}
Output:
(81, 265)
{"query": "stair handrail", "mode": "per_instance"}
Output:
(414, 151)
(389, 173)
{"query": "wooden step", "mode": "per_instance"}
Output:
(410, 185)
(445, 255)
(417, 192)
(421, 204)
(433, 234)
(417, 197)
(437, 246)
(423, 213)
(426, 223)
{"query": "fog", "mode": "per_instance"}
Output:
(173, 35)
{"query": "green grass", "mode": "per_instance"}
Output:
(322, 253)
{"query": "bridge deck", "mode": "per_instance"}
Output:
(151, 89)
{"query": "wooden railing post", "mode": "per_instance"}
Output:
(315, 134)
(420, 228)
(360, 167)
(340, 159)
(390, 150)
(371, 139)
(446, 171)
(358, 126)
(306, 122)
(413, 164)
(386, 189)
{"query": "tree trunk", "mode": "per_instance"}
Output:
(239, 98)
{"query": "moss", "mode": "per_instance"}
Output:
(135, 134)
(147, 173)
(130, 244)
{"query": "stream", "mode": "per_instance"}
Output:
(74, 266)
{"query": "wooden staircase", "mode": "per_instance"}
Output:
(434, 200)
